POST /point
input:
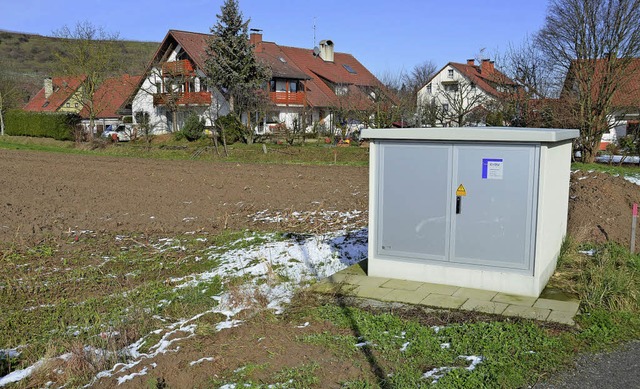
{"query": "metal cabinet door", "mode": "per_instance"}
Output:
(493, 222)
(413, 200)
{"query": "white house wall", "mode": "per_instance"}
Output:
(437, 89)
(143, 101)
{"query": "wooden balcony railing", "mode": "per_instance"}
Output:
(188, 98)
(288, 98)
(178, 68)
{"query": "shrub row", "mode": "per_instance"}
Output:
(59, 126)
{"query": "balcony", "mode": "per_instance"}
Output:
(287, 98)
(188, 98)
(178, 68)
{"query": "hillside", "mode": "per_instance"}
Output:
(28, 58)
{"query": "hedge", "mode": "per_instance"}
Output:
(41, 124)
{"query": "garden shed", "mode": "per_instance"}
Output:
(479, 207)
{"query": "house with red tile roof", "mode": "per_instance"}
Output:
(624, 118)
(112, 102)
(112, 99)
(308, 86)
(463, 93)
(59, 94)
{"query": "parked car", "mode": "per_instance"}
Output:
(121, 133)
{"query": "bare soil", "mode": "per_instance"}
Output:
(54, 195)
(600, 208)
(48, 194)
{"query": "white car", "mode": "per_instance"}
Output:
(122, 133)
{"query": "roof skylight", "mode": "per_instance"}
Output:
(349, 69)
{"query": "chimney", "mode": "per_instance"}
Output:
(48, 87)
(471, 62)
(326, 50)
(255, 38)
(487, 66)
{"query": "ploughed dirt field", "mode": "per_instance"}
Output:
(48, 195)
(52, 194)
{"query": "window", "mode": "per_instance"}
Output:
(473, 86)
(450, 73)
(349, 69)
(428, 88)
(68, 105)
(158, 87)
(293, 86)
(445, 107)
(451, 87)
(45, 104)
(75, 105)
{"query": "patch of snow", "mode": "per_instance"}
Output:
(439, 372)
(590, 253)
(306, 324)
(19, 375)
(131, 376)
(228, 324)
(618, 159)
(404, 346)
(445, 345)
(632, 179)
(210, 359)
(9, 353)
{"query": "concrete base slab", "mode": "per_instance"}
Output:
(443, 301)
(484, 306)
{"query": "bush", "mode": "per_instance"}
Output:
(193, 128)
(58, 126)
(233, 128)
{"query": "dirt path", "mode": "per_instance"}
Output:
(50, 194)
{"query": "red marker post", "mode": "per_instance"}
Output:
(634, 222)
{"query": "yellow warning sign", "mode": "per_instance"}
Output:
(461, 191)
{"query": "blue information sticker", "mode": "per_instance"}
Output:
(492, 168)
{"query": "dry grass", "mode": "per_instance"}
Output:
(609, 278)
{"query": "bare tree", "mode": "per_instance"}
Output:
(593, 42)
(457, 100)
(10, 95)
(90, 52)
(419, 76)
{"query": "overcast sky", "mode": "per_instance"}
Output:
(386, 36)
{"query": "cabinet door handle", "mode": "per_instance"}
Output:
(458, 204)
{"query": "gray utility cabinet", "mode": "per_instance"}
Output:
(482, 208)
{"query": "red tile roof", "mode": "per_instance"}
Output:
(626, 95)
(298, 63)
(485, 79)
(111, 95)
(63, 89)
(322, 73)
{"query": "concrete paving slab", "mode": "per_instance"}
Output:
(438, 288)
(561, 317)
(406, 296)
(368, 281)
(484, 306)
(443, 301)
(401, 284)
(555, 305)
(512, 299)
(326, 287)
(340, 278)
(356, 269)
(527, 312)
(476, 294)
(371, 292)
